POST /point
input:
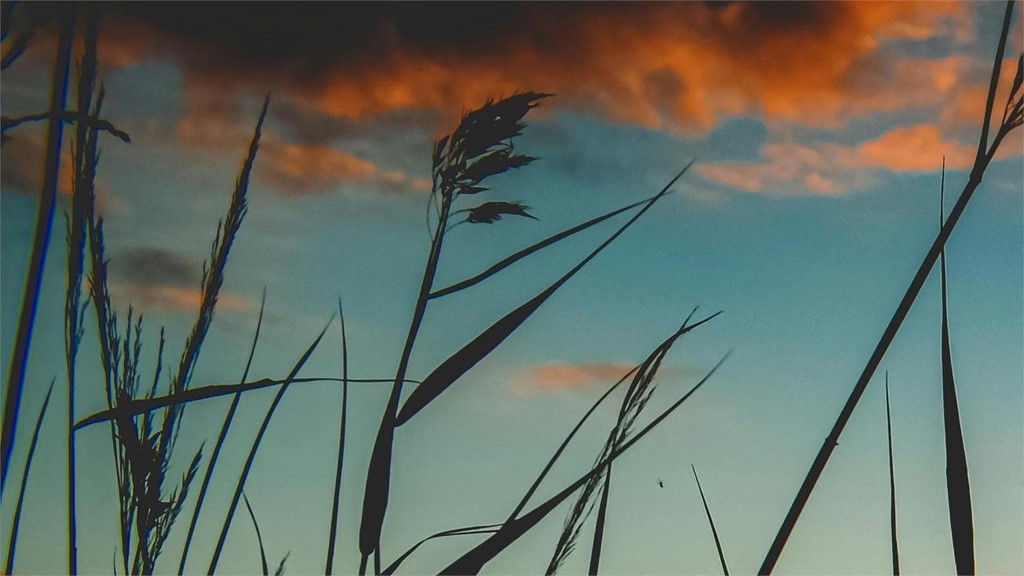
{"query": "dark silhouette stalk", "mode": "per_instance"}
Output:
(892, 487)
(86, 156)
(602, 514)
(341, 446)
(832, 439)
(378, 478)
(40, 240)
(259, 537)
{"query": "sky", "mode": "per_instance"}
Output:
(819, 131)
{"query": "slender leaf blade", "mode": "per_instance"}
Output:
(711, 522)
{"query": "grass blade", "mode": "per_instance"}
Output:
(832, 439)
(255, 447)
(467, 531)
(13, 539)
(602, 512)
(142, 405)
(220, 442)
(512, 259)
(711, 522)
(892, 487)
(341, 445)
(259, 537)
(40, 243)
(474, 560)
(459, 363)
(958, 485)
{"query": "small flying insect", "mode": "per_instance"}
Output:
(660, 483)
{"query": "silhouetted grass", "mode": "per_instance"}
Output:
(892, 486)
(958, 485)
(1012, 118)
(255, 447)
(259, 537)
(711, 522)
(40, 242)
(201, 497)
(336, 500)
(12, 539)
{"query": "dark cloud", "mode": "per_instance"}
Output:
(155, 266)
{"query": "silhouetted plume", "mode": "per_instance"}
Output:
(490, 212)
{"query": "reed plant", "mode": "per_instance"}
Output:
(144, 413)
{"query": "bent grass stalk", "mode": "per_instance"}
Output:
(12, 542)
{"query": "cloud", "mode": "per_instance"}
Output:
(558, 376)
(155, 266)
(157, 279)
(664, 65)
(913, 149)
(167, 298)
(830, 169)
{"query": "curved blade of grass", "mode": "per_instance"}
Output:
(512, 259)
(259, 537)
(547, 467)
(280, 566)
(255, 447)
(602, 513)
(12, 542)
(459, 363)
(467, 531)
(141, 405)
(832, 439)
(473, 561)
(40, 243)
(711, 522)
(341, 445)
(958, 485)
(220, 442)
(892, 487)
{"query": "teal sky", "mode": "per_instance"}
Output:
(818, 130)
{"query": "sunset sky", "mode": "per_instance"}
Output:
(818, 130)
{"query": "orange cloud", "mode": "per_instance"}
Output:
(166, 298)
(831, 169)
(683, 66)
(913, 149)
(557, 376)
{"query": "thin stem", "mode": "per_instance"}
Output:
(40, 241)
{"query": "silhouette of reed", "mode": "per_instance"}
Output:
(892, 486)
(1013, 114)
(481, 146)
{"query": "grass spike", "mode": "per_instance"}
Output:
(711, 522)
(336, 501)
(958, 485)
(259, 537)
